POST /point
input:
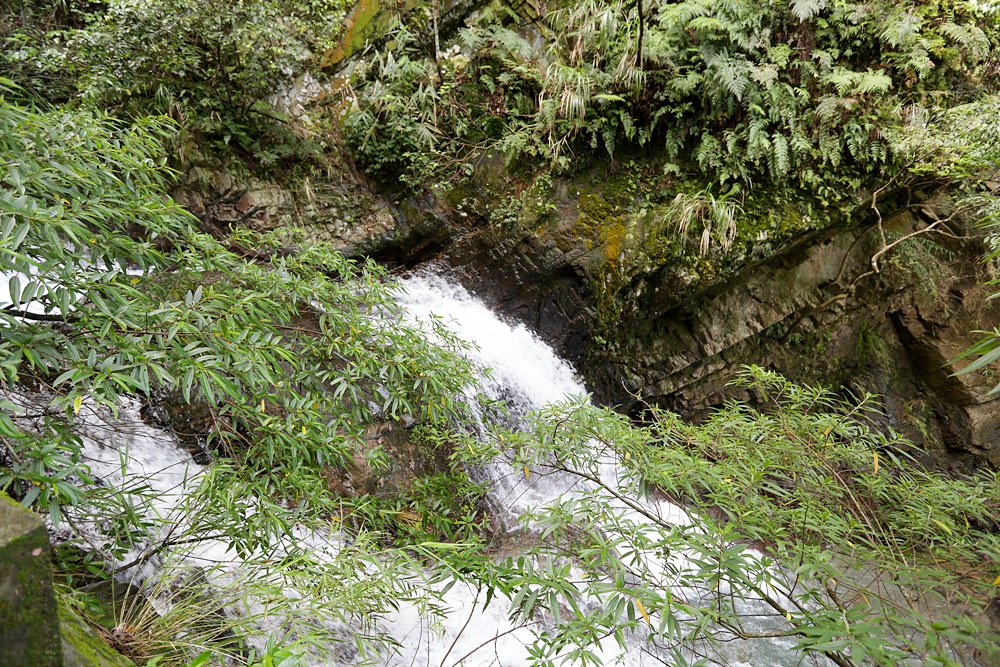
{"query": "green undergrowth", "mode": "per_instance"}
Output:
(443, 506)
(212, 68)
(852, 550)
(738, 93)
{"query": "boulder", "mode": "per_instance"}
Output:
(29, 628)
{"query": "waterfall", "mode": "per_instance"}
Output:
(123, 450)
(526, 374)
(525, 371)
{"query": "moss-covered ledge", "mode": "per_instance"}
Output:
(28, 634)
(36, 631)
(82, 647)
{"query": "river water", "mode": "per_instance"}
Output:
(527, 375)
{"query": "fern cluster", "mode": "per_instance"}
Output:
(737, 92)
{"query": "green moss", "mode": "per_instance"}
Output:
(27, 604)
(362, 23)
(595, 215)
(82, 646)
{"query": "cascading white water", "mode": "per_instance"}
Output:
(122, 450)
(524, 373)
(527, 375)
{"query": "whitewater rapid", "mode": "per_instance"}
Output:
(527, 375)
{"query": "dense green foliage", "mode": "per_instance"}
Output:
(739, 92)
(446, 506)
(750, 124)
(212, 66)
(846, 547)
(114, 293)
(848, 531)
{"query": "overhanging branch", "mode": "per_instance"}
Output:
(38, 317)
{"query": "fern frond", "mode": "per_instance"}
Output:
(733, 75)
(900, 28)
(971, 37)
(470, 38)
(873, 82)
(705, 24)
(781, 160)
(807, 9)
(765, 75)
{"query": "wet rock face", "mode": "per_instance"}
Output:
(810, 314)
(407, 461)
(959, 412)
(531, 282)
(812, 309)
(220, 202)
(35, 630)
(340, 207)
(191, 422)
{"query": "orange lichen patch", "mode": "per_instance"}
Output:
(355, 33)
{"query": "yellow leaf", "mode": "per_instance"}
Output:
(996, 582)
(408, 517)
(642, 610)
(944, 526)
(788, 615)
(262, 405)
(876, 462)
(303, 429)
(527, 473)
(77, 404)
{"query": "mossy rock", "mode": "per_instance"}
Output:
(28, 637)
(83, 647)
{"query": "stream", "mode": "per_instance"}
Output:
(527, 375)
